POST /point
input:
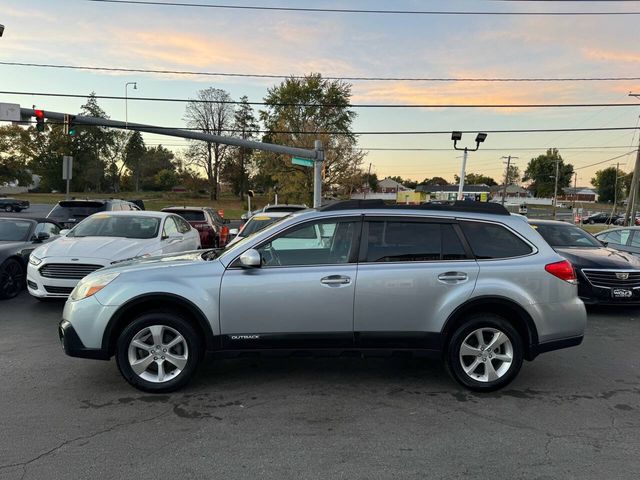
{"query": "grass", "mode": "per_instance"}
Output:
(233, 207)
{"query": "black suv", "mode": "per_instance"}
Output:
(13, 204)
(70, 212)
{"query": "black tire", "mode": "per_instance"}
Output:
(8, 208)
(173, 321)
(12, 279)
(17, 210)
(591, 222)
(454, 363)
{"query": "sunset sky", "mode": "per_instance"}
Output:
(80, 32)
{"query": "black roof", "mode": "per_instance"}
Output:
(457, 206)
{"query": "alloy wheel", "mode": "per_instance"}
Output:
(486, 354)
(11, 279)
(158, 353)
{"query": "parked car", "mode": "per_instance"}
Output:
(466, 282)
(13, 204)
(257, 223)
(214, 233)
(104, 239)
(222, 224)
(69, 212)
(601, 217)
(626, 239)
(18, 238)
(620, 220)
(605, 276)
(279, 207)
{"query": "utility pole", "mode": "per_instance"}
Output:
(575, 197)
(630, 215)
(462, 174)
(615, 194)
(317, 174)
(506, 178)
(555, 189)
(368, 184)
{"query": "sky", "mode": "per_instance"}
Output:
(85, 33)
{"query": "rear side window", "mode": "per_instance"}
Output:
(488, 241)
(399, 241)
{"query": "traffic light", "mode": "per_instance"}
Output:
(39, 120)
(70, 125)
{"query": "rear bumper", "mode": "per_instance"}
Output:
(73, 346)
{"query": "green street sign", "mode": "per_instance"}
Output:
(303, 162)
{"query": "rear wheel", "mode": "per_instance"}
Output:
(8, 208)
(12, 279)
(485, 353)
(158, 352)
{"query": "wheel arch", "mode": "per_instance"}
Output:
(154, 302)
(506, 308)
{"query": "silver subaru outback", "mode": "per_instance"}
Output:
(465, 282)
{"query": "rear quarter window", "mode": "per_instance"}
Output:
(491, 241)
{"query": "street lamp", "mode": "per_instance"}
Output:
(126, 106)
(456, 136)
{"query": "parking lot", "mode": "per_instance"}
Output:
(570, 414)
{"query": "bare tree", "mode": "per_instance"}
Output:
(211, 112)
(114, 153)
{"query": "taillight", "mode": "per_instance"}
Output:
(563, 270)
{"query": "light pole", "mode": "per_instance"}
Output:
(455, 136)
(126, 106)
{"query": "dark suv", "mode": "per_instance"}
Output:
(70, 212)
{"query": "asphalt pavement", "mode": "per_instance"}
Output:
(570, 414)
(35, 210)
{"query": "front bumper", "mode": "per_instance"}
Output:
(48, 287)
(73, 346)
(593, 295)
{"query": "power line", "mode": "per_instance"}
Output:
(607, 160)
(346, 78)
(354, 10)
(323, 105)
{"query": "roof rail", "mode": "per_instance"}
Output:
(456, 206)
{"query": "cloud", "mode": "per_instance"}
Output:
(619, 56)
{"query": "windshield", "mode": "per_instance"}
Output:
(566, 236)
(103, 225)
(257, 223)
(14, 230)
(67, 210)
(189, 215)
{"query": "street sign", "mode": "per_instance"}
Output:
(67, 167)
(303, 162)
(9, 112)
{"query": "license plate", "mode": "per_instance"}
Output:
(621, 293)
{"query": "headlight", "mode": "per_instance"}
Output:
(35, 261)
(92, 285)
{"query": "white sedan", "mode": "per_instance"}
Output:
(104, 239)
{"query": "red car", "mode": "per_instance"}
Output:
(214, 233)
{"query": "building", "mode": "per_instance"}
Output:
(579, 194)
(479, 193)
(411, 197)
(514, 193)
(390, 186)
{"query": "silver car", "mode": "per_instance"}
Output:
(468, 283)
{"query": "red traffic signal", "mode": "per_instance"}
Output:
(39, 120)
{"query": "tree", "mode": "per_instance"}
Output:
(156, 159)
(407, 183)
(15, 151)
(241, 161)
(541, 172)
(299, 111)
(133, 155)
(115, 157)
(166, 179)
(476, 179)
(430, 182)
(513, 175)
(606, 184)
(211, 113)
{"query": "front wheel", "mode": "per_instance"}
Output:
(158, 352)
(485, 353)
(8, 208)
(12, 279)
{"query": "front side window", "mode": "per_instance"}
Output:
(398, 241)
(315, 243)
(170, 228)
(490, 241)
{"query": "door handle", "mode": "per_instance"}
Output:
(335, 280)
(453, 277)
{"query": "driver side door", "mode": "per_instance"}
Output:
(301, 297)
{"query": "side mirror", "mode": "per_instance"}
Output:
(41, 237)
(251, 259)
(233, 232)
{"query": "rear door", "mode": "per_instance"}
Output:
(410, 272)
